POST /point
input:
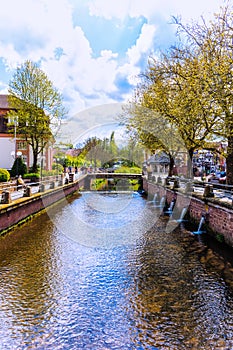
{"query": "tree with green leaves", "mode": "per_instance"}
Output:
(163, 113)
(37, 108)
(190, 88)
(90, 150)
(148, 129)
(213, 42)
(112, 145)
(133, 151)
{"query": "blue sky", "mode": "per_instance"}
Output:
(92, 50)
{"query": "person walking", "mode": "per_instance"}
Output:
(20, 183)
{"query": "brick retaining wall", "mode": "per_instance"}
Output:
(13, 213)
(219, 219)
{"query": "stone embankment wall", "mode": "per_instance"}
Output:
(23, 208)
(219, 216)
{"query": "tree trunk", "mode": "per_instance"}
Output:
(190, 163)
(171, 165)
(35, 158)
(229, 161)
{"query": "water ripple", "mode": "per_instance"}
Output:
(164, 291)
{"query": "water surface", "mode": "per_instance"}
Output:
(157, 291)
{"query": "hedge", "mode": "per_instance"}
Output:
(4, 175)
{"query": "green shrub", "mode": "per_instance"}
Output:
(128, 170)
(58, 168)
(18, 168)
(31, 175)
(4, 175)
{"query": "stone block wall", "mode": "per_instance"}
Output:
(221, 221)
(219, 218)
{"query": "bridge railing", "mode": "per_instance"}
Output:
(11, 191)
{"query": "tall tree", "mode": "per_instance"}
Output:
(112, 144)
(90, 150)
(38, 107)
(168, 111)
(213, 42)
(191, 86)
(153, 131)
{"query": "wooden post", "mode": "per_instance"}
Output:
(52, 184)
(208, 191)
(27, 192)
(42, 188)
(71, 177)
(6, 197)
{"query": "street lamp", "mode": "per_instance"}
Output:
(57, 162)
(42, 158)
(15, 135)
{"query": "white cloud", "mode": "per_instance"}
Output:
(10, 56)
(109, 9)
(50, 23)
(143, 45)
(123, 8)
(35, 29)
(3, 88)
(149, 8)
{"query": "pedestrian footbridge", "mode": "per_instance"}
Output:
(92, 181)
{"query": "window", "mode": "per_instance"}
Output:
(22, 145)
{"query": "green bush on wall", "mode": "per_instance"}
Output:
(4, 175)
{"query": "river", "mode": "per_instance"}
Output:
(101, 271)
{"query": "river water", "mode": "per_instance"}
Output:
(126, 282)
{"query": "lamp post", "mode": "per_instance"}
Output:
(42, 158)
(57, 162)
(15, 135)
